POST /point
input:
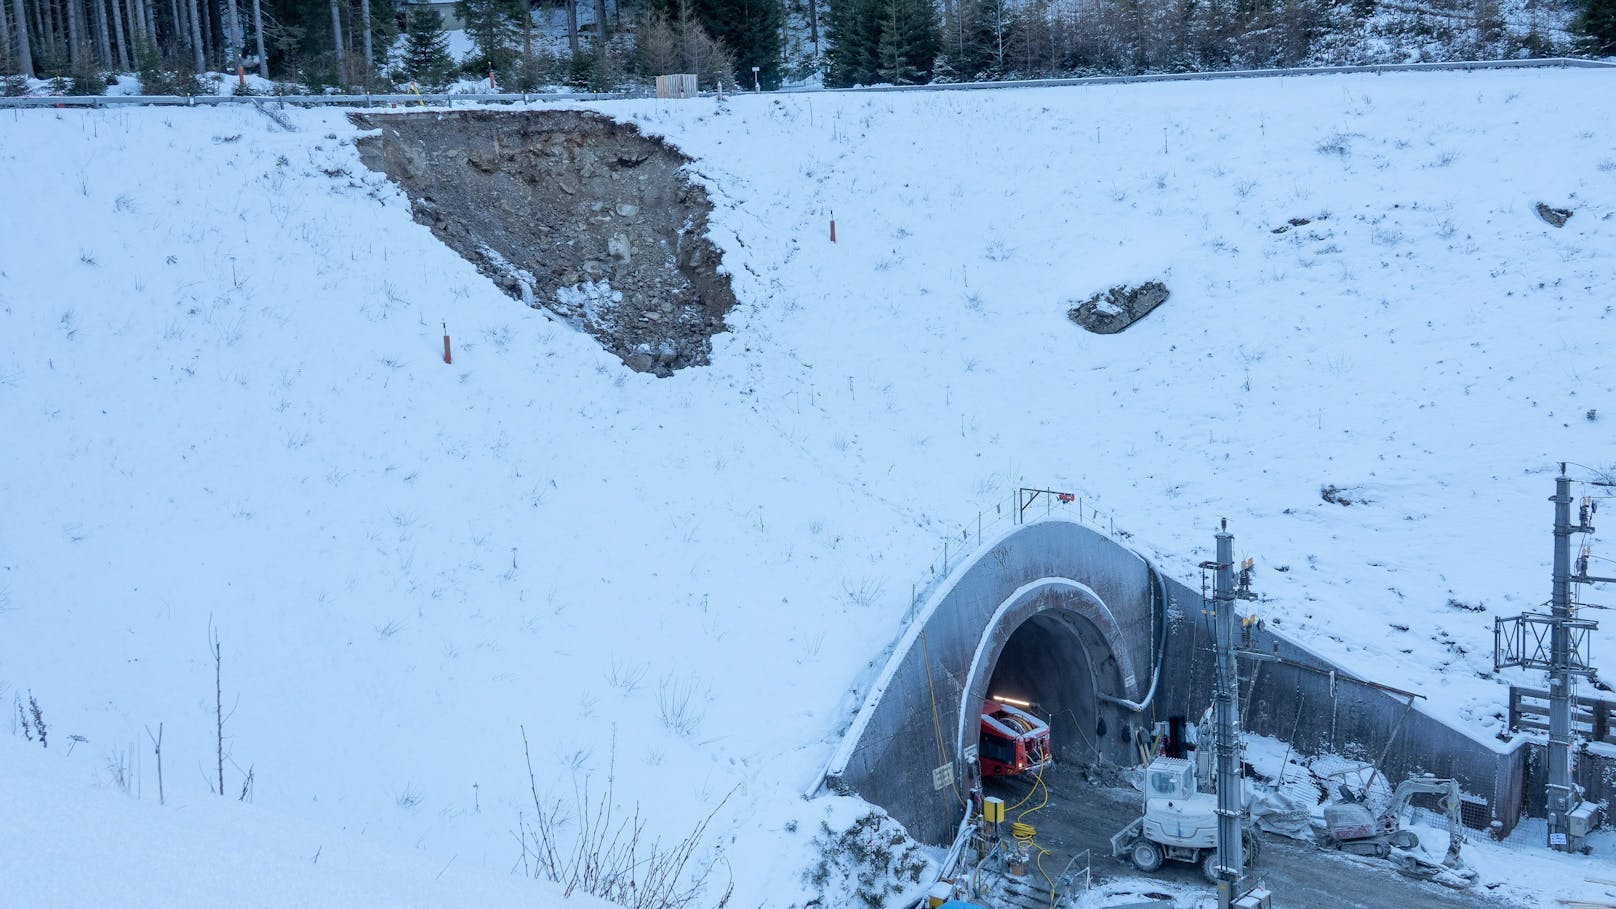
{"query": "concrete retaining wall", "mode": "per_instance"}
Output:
(1319, 713)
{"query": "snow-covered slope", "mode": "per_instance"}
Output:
(224, 402)
(75, 845)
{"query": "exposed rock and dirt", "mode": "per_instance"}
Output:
(1556, 217)
(1110, 312)
(571, 212)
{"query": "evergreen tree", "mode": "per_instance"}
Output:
(750, 29)
(909, 42)
(896, 66)
(88, 79)
(994, 24)
(965, 53)
(426, 48)
(493, 26)
(1597, 24)
(854, 31)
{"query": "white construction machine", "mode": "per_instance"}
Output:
(1179, 823)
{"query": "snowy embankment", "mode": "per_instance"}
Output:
(79, 844)
(223, 387)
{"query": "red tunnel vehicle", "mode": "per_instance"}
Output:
(1013, 741)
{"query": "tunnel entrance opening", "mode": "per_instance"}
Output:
(1045, 664)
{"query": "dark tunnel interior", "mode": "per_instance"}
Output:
(1045, 662)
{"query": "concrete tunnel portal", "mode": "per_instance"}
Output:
(1054, 613)
(1056, 646)
(1068, 618)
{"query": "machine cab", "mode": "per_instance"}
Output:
(1172, 779)
(1176, 814)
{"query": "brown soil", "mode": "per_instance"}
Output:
(571, 212)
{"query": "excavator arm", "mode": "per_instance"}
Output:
(1447, 792)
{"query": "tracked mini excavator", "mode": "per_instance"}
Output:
(1351, 826)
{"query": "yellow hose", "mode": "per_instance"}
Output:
(1026, 834)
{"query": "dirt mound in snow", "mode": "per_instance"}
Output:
(572, 212)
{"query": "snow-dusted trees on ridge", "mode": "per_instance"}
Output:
(316, 41)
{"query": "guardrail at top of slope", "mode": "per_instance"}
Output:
(401, 101)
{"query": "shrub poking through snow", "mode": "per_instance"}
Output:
(864, 865)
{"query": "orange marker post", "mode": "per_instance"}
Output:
(447, 358)
(241, 75)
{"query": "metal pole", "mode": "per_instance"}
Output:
(1560, 796)
(1225, 699)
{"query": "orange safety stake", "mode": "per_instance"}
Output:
(446, 357)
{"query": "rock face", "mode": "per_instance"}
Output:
(1110, 312)
(1555, 216)
(571, 212)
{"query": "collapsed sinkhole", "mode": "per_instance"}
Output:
(571, 212)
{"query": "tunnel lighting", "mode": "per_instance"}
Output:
(1013, 702)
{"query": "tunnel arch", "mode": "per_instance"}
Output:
(1069, 590)
(1071, 650)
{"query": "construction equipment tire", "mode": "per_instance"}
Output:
(1145, 855)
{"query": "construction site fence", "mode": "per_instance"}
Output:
(443, 99)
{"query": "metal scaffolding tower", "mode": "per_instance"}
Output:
(1557, 643)
(1233, 883)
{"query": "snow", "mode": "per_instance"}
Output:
(223, 384)
(90, 846)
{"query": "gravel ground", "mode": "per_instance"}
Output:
(1082, 815)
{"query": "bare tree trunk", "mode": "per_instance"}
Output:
(336, 35)
(103, 40)
(5, 35)
(232, 37)
(205, 7)
(813, 21)
(134, 28)
(137, 22)
(75, 33)
(49, 32)
(258, 33)
(124, 57)
(370, 54)
(600, 23)
(336, 40)
(572, 26)
(196, 36)
(25, 55)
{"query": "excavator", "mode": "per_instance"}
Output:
(1350, 826)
